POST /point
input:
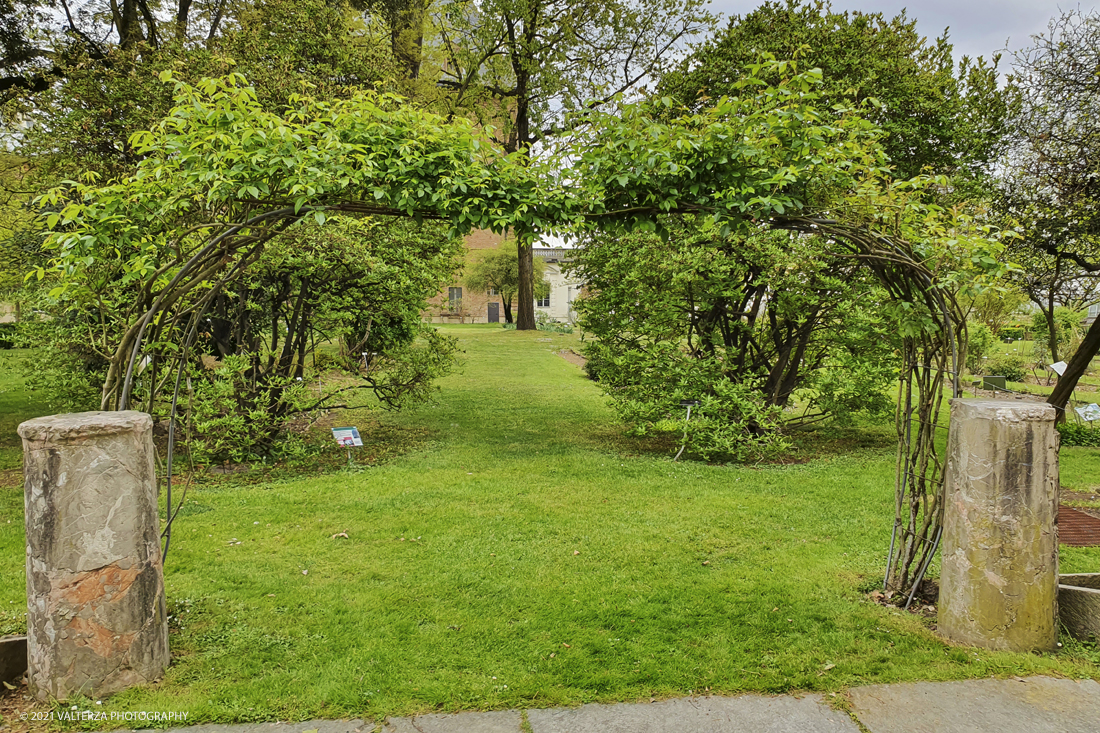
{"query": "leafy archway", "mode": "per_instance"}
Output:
(222, 177)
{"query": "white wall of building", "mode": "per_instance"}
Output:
(564, 289)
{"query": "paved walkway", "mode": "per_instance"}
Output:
(1019, 705)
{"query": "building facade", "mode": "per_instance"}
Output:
(564, 288)
(456, 303)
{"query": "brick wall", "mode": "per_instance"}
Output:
(475, 306)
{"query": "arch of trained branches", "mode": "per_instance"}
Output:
(221, 177)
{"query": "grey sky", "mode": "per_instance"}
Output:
(977, 27)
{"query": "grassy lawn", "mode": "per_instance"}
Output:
(529, 555)
(16, 405)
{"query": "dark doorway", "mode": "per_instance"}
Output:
(494, 313)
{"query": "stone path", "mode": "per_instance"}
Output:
(1018, 705)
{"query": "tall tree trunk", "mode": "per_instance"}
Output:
(183, 9)
(525, 317)
(507, 310)
(129, 30)
(407, 36)
(1078, 363)
(215, 23)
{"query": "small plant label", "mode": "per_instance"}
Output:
(347, 437)
(1090, 413)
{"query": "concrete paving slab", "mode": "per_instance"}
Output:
(308, 726)
(501, 721)
(742, 714)
(1034, 705)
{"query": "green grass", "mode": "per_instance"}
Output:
(16, 405)
(529, 555)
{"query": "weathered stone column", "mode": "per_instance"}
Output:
(999, 577)
(96, 621)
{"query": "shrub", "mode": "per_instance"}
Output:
(732, 421)
(543, 325)
(543, 322)
(68, 372)
(9, 335)
(1012, 368)
(230, 419)
(596, 361)
(980, 338)
(1080, 434)
(1067, 328)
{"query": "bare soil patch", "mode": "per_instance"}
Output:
(924, 600)
(14, 704)
(573, 357)
(1086, 502)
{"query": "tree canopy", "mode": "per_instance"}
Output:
(84, 119)
(221, 175)
(1051, 182)
(933, 116)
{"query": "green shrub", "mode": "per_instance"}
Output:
(1012, 368)
(324, 361)
(980, 338)
(1080, 434)
(230, 419)
(543, 325)
(543, 322)
(732, 422)
(1067, 328)
(1011, 332)
(596, 360)
(68, 373)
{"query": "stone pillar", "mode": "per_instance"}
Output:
(999, 575)
(96, 620)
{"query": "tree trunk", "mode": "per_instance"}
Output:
(507, 310)
(525, 318)
(407, 37)
(1052, 333)
(1078, 363)
(183, 9)
(129, 31)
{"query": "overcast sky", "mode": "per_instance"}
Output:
(976, 27)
